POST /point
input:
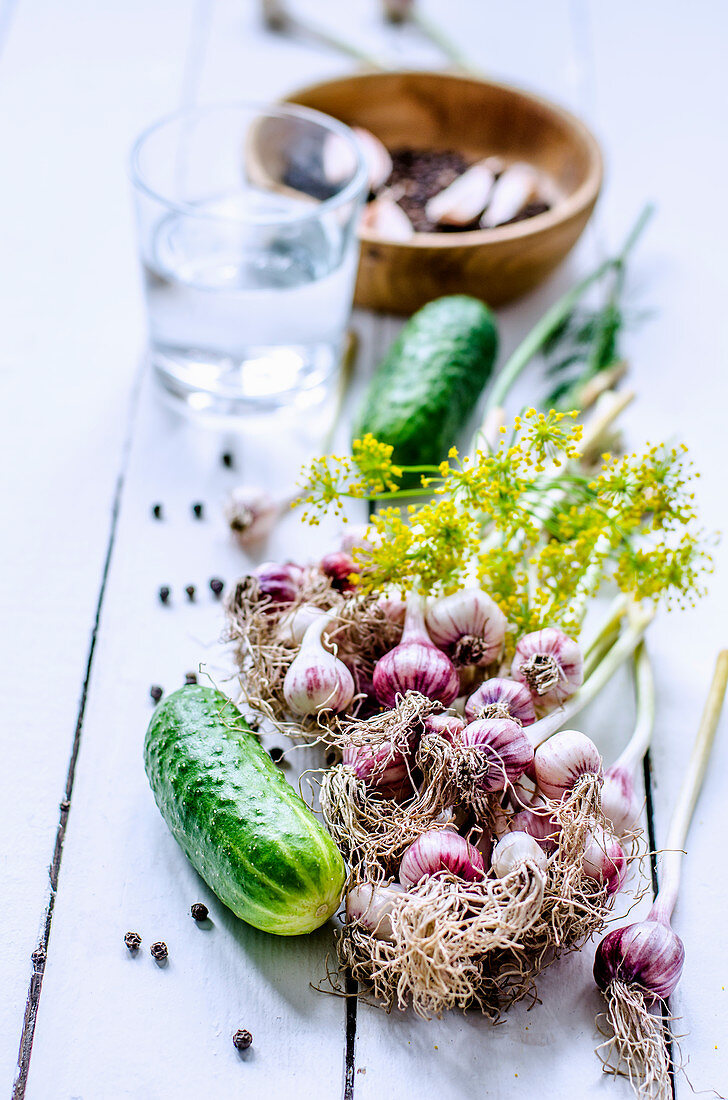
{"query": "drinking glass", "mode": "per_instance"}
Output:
(247, 219)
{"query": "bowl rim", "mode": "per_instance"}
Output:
(571, 207)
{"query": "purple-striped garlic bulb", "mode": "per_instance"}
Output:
(536, 820)
(279, 582)
(372, 906)
(316, 679)
(468, 625)
(339, 567)
(647, 955)
(501, 698)
(604, 859)
(448, 726)
(494, 752)
(415, 664)
(561, 761)
(440, 850)
(621, 805)
(383, 767)
(550, 664)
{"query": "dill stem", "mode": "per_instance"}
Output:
(672, 856)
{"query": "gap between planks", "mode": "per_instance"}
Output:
(40, 954)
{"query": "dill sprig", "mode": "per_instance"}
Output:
(537, 531)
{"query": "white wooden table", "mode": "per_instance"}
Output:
(89, 449)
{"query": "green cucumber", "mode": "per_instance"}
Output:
(427, 386)
(241, 825)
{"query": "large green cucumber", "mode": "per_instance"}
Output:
(242, 826)
(427, 386)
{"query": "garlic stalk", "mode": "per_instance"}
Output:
(468, 625)
(440, 850)
(621, 804)
(415, 664)
(316, 679)
(640, 965)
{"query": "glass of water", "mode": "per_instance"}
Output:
(247, 223)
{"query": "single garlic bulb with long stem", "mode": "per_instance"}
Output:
(468, 625)
(415, 664)
(440, 850)
(640, 965)
(563, 760)
(513, 850)
(316, 679)
(550, 664)
(501, 698)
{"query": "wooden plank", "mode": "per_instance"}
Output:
(76, 83)
(661, 140)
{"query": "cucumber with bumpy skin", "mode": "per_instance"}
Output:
(241, 825)
(427, 386)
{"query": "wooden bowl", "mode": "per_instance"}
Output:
(428, 110)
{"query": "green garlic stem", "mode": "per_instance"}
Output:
(672, 857)
(295, 25)
(622, 649)
(555, 317)
(639, 742)
(615, 614)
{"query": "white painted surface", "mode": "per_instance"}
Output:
(75, 82)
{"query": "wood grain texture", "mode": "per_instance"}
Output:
(76, 83)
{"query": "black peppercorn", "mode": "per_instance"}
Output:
(133, 941)
(276, 754)
(227, 459)
(197, 510)
(190, 677)
(156, 692)
(199, 911)
(159, 951)
(217, 585)
(164, 593)
(190, 590)
(242, 1039)
(157, 511)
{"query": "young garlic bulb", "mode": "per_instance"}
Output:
(279, 582)
(501, 698)
(372, 906)
(560, 762)
(621, 805)
(340, 569)
(469, 626)
(415, 664)
(317, 680)
(383, 767)
(448, 726)
(440, 850)
(550, 664)
(647, 954)
(252, 513)
(513, 850)
(604, 859)
(497, 752)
